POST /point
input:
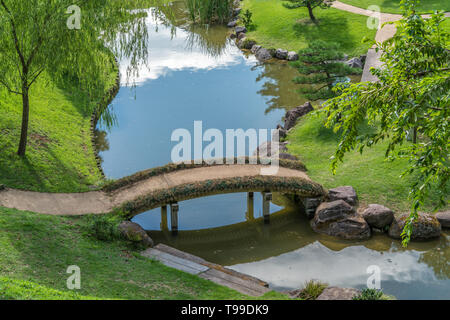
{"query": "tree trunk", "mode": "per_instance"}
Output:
(414, 140)
(311, 15)
(25, 119)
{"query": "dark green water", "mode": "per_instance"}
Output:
(200, 75)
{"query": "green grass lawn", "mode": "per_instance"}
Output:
(393, 6)
(375, 179)
(290, 29)
(35, 251)
(60, 155)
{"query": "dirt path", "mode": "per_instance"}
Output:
(101, 202)
(383, 34)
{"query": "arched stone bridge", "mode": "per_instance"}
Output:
(166, 185)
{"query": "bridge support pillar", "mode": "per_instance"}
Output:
(164, 225)
(267, 197)
(250, 215)
(174, 217)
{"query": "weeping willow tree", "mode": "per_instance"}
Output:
(66, 37)
(209, 11)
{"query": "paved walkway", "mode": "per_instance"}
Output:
(383, 34)
(98, 202)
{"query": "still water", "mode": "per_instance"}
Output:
(198, 74)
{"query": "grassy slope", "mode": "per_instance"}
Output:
(375, 179)
(393, 6)
(39, 248)
(60, 155)
(278, 27)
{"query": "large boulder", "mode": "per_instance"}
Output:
(378, 216)
(292, 115)
(263, 55)
(426, 227)
(292, 56)
(338, 219)
(350, 228)
(346, 193)
(134, 232)
(335, 293)
(444, 218)
(332, 211)
(281, 54)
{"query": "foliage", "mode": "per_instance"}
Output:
(247, 19)
(209, 11)
(320, 64)
(369, 294)
(412, 95)
(104, 226)
(64, 38)
(310, 4)
(312, 289)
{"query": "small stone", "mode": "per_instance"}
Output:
(281, 54)
(239, 30)
(232, 24)
(292, 56)
(256, 48)
(263, 55)
(241, 36)
(355, 63)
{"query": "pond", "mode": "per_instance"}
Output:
(200, 75)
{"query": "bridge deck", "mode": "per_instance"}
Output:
(97, 202)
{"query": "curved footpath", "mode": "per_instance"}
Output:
(211, 179)
(383, 34)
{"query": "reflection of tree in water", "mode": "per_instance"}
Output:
(438, 260)
(278, 87)
(101, 141)
(212, 41)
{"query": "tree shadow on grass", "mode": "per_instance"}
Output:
(329, 29)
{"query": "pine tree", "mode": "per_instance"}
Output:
(310, 4)
(321, 67)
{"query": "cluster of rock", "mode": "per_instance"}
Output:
(262, 54)
(338, 216)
